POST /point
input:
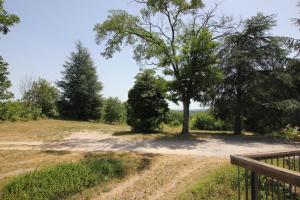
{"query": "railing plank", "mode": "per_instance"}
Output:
(269, 155)
(266, 169)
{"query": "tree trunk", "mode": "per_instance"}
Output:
(238, 114)
(186, 115)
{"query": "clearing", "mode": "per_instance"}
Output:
(173, 163)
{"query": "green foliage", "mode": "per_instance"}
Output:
(245, 56)
(61, 181)
(182, 43)
(219, 185)
(290, 132)
(146, 105)
(80, 98)
(114, 111)
(5, 84)
(16, 111)
(174, 118)
(42, 95)
(206, 121)
(6, 20)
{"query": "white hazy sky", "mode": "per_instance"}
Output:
(40, 44)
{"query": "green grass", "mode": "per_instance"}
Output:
(219, 185)
(63, 180)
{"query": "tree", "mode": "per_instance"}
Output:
(44, 96)
(80, 89)
(5, 84)
(177, 36)
(6, 20)
(146, 105)
(114, 111)
(245, 55)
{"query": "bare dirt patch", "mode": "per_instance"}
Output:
(221, 146)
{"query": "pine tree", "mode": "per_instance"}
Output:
(80, 98)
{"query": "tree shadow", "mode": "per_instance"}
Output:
(56, 152)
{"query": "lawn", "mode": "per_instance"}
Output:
(48, 129)
(18, 169)
(45, 130)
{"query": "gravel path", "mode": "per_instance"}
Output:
(221, 146)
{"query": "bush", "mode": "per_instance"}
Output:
(114, 111)
(61, 181)
(16, 111)
(291, 132)
(174, 118)
(219, 185)
(44, 96)
(206, 121)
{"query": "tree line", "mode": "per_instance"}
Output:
(245, 74)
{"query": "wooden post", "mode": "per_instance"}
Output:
(254, 186)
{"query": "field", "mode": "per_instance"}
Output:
(158, 166)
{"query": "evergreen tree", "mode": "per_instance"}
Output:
(146, 105)
(80, 98)
(246, 55)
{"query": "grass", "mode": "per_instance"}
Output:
(63, 173)
(218, 185)
(63, 180)
(48, 129)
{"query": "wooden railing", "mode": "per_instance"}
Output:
(268, 175)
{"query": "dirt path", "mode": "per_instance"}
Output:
(166, 178)
(221, 146)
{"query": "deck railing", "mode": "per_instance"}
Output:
(270, 176)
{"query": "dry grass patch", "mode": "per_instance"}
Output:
(45, 130)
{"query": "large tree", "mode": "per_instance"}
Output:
(178, 36)
(246, 55)
(6, 20)
(4, 82)
(146, 105)
(80, 98)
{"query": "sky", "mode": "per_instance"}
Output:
(42, 42)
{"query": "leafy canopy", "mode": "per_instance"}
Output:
(6, 20)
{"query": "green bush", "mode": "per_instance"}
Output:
(114, 111)
(61, 181)
(174, 118)
(16, 111)
(219, 185)
(206, 121)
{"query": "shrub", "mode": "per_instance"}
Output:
(44, 96)
(174, 118)
(290, 132)
(16, 111)
(61, 181)
(114, 111)
(206, 121)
